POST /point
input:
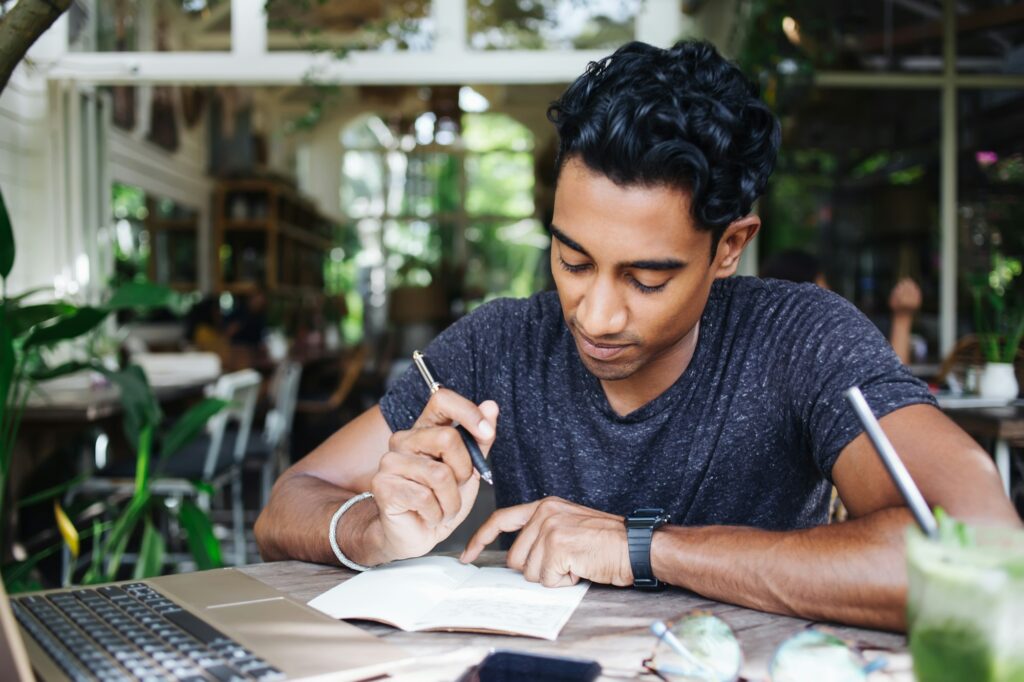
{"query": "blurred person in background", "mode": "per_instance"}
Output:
(797, 265)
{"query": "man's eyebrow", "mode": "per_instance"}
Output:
(565, 239)
(667, 264)
(664, 264)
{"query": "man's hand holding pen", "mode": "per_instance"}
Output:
(426, 484)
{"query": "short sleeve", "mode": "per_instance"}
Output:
(841, 348)
(466, 357)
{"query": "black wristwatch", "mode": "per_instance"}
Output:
(640, 526)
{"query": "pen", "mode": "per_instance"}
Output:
(900, 476)
(474, 450)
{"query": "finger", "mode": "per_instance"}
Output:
(436, 476)
(520, 550)
(396, 495)
(438, 442)
(446, 407)
(507, 520)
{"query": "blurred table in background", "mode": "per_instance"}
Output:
(1003, 425)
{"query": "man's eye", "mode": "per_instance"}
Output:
(645, 289)
(573, 267)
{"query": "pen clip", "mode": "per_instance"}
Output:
(420, 360)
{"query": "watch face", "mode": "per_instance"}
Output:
(642, 518)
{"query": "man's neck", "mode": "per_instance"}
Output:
(647, 383)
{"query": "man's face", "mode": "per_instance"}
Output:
(633, 273)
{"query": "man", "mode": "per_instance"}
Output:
(652, 379)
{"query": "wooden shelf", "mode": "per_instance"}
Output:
(174, 248)
(276, 237)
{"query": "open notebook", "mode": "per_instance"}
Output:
(441, 593)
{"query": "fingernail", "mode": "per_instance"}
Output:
(485, 428)
(462, 557)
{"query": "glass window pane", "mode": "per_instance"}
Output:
(431, 184)
(991, 198)
(486, 132)
(505, 259)
(385, 25)
(413, 251)
(858, 186)
(499, 184)
(158, 26)
(785, 38)
(362, 187)
(990, 37)
(550, 24)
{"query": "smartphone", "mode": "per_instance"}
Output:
(515, 666)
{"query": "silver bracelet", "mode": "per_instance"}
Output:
(331, 533)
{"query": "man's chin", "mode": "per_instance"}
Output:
(608, 371)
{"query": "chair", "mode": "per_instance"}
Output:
(214, 459)
(270, 449)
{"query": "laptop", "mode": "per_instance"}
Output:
(216, 625)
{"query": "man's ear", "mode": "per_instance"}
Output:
(731, 245)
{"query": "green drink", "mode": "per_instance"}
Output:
(965, 604)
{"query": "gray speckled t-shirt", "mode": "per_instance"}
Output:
(746, 436)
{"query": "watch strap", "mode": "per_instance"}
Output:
(640, 527)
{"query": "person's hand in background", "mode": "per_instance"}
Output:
(904, 301)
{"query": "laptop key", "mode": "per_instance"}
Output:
(224, 673)
(191, 624)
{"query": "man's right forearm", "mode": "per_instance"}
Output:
(295, 523)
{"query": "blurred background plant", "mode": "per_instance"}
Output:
(32, 339)
(999, 308)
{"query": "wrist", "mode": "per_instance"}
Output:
(358, 536)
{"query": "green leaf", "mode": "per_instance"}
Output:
(23, 319)
(7, 360)
(6, 240)
(141, 408)
(151, 554)
(202, 543)
(29, 292)
(54, 491)
(117, 542)
(190, 425)
(84, 320)
(141, 295)
(44, 373)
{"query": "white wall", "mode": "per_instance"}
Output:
(24, 180)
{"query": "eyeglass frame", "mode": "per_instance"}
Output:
(856, 647)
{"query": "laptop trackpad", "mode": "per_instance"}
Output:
(294, 640)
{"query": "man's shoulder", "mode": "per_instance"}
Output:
(748, 297)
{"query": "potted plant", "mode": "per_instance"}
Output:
(999, 325)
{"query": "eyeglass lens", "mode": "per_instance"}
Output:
(815, 655)
(699, 648)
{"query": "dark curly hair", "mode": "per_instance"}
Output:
(684, 118)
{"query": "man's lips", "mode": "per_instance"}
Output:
(599, 351)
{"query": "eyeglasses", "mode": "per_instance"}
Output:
(703, 648)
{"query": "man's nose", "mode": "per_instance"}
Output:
(602, 311)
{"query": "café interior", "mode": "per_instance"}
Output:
(234, 220)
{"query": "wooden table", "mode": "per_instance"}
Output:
(1003, 425)
(610, 626)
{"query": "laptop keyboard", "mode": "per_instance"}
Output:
(132, 632)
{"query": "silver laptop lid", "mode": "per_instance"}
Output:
(13, 656)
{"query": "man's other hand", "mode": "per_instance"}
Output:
(426, 484)
(559, 543)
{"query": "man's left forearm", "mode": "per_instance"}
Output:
(852, 572)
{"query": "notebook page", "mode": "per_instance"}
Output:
(399, 593)
(502, 600)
